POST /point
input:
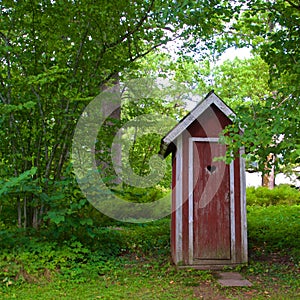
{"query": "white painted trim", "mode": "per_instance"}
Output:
(191, 207)
(244, 241)
(207, 139)
(232, 212)
(178, 190)
(196, 113)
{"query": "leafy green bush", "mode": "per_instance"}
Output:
(274, 228)
(280, 195)
(28, 256)
(141, 195)
(68, 259)
(148, 239)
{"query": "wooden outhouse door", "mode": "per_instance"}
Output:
(211, 201)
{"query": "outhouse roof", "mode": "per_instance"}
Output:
(200, 108)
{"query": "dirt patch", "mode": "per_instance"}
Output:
(26, 276)
(274, 257)
(208, 291)
(47, 274)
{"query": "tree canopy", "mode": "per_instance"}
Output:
(271, 28)
(56, 56)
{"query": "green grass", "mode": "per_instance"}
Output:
(131, 281)
(274, 228)
(158, 279)
(126, 261)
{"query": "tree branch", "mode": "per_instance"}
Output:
(293, 4)
(135, 29)
(79, 52)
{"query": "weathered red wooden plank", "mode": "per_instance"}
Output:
(173, 214)
(237, 204)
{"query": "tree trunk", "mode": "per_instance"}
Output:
(19, 212)
(115, 150)
(268, 177)
(35, 218)
(25, 212)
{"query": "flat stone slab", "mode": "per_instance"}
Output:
(232, 279)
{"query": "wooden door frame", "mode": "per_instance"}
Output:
(192, 261)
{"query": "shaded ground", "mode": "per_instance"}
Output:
(274, 276)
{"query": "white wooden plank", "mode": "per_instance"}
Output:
(191, 200)
(178, 190)
(232, 212)
(244, 241)
(207, 139)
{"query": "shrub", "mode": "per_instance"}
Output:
(280, 195)
(141, 195)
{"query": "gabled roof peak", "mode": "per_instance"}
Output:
(200, 108)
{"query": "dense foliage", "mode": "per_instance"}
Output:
(56, 56)
(271, 28)
(280, 195)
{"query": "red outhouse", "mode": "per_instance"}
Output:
(208, 222)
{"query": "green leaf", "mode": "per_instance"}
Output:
(55, 217)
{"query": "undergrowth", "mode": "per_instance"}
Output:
(25, 257)
(132, 254)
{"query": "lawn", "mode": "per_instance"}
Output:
(126, 261)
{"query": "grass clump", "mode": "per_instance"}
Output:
(274, 228)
